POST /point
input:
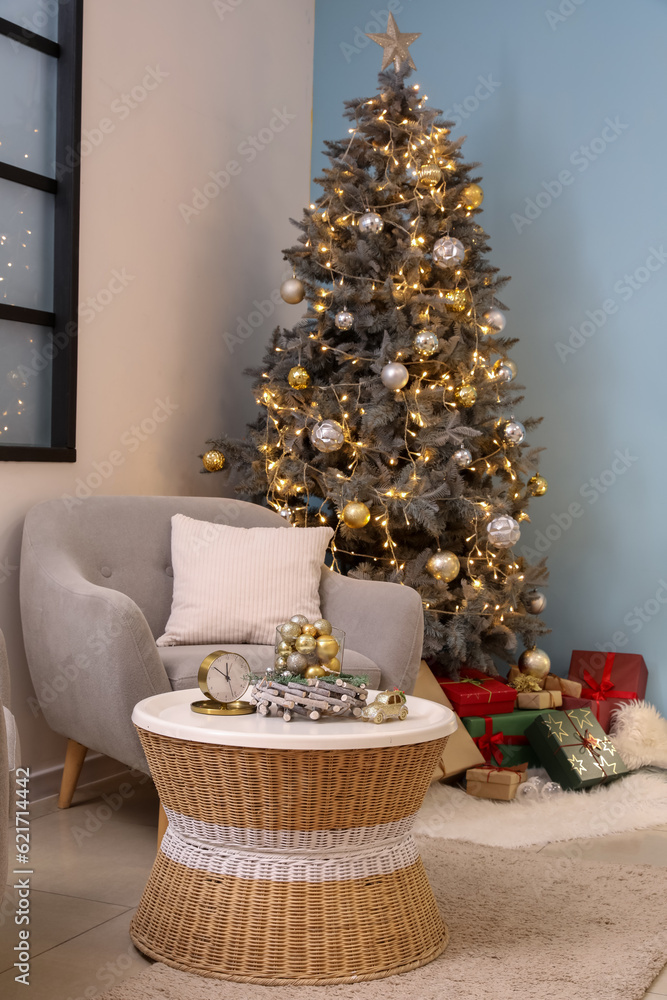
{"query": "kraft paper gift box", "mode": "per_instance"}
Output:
(574, 749)
(567, 687)
(502, 738)
(499, 783)
(539, 700)
(478, 694)
(608, 679)
(460, 752)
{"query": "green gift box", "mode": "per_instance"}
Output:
(574, 749)
(502, 738)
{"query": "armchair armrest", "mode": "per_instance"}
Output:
(384, 621)
(91, 654)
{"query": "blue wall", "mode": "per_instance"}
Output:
(556, 80)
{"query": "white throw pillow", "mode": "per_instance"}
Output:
(237, 584)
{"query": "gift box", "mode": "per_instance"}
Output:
(567, 687)
(478, 694)
(608, 679)
(502, 738)
(460, 752)
(539, 700)
(488, 782)
(574, 749)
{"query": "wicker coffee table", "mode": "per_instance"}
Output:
(288, 858)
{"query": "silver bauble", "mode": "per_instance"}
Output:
(444, 566)
(462, 457)
(503, 531)
(344, 320)
(395, 375)
(299, 619)
(514, 432)
(448, 251)
(534, 602)
(425, 343)
(370, 224)
(534, 662)
(502, 372)
(495, 319)
(292, 291)
(296, 662)
(327, 436)
(270, 671)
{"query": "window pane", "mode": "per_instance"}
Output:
(26, 246)
(40, 16)
(27, 107)
(25, 384)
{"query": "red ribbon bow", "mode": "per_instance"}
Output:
(604, 690)
(489, 742)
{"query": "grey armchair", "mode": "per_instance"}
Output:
(96, 589)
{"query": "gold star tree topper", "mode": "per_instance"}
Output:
(395, 45)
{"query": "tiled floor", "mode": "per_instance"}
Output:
(91, 863)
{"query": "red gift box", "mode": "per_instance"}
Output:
(478, 694)
(608, 679)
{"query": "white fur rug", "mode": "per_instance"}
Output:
(544, 813)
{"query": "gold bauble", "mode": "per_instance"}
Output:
(327, 647)
(472, 196)
(213, 460)
(534, 662)
(284, 648)
(298, 378)
(322, 626)
(429, 175)
(332, 666)
(314, 672)
(309, 630)
(537, 486)
(457, 299)
(444, 565)
(305, 643)
(289, 630)
(356, 514)
(466, 396)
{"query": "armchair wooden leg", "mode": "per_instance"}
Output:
(162, 823)
(74, 759)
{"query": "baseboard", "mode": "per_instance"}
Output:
(46, 781)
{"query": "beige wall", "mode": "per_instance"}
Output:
(172, 89)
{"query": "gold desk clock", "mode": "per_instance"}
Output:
(223, 677)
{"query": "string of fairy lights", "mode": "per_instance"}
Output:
(428, 159)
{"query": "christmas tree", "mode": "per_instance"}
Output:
(388, 410)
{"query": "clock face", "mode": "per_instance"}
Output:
(224, 676)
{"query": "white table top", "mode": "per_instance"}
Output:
(170, 715)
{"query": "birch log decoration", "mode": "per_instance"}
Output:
(314, 698)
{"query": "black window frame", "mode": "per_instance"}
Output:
(66, 191)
